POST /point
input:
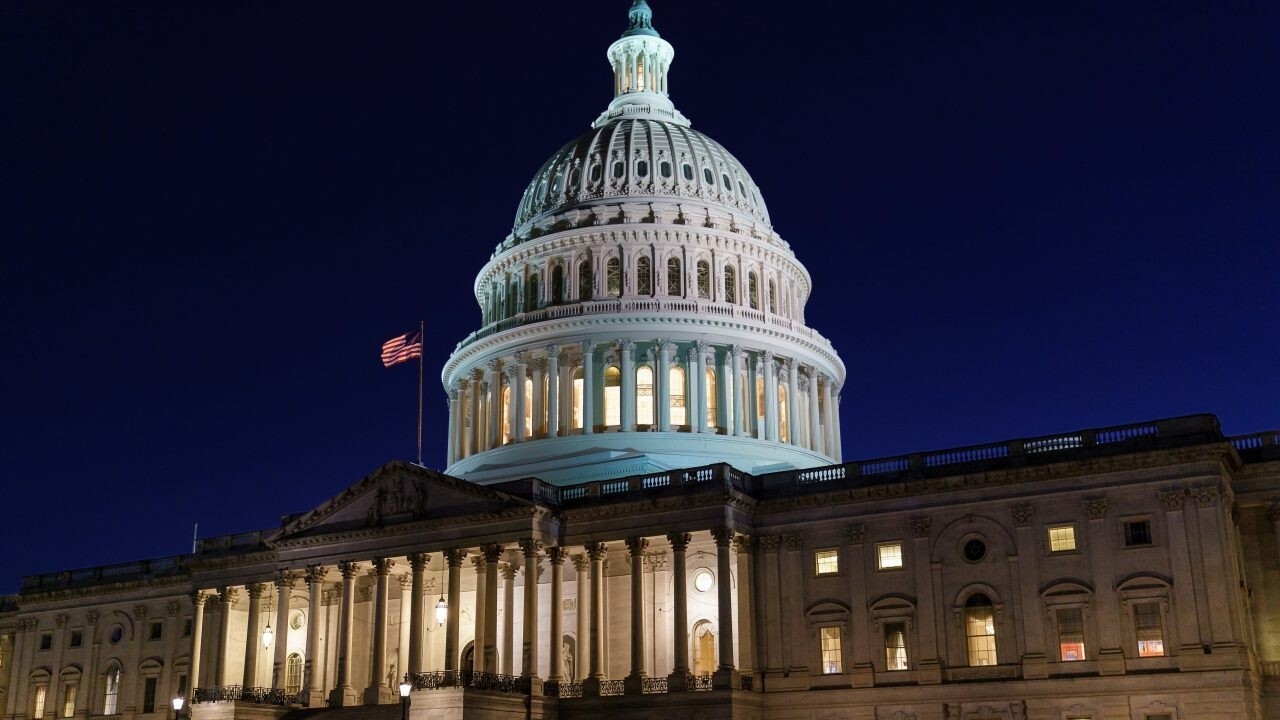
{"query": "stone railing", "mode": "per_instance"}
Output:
(748, 682)
(699, 683)
(609, 688)
(983, 672)
(119, 572)
(653, 685)
(1258, 447)
(718, 475)
(240, 693)
(470, 680)
(562, 689)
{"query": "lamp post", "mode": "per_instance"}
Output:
(177, 705)
(405, 687)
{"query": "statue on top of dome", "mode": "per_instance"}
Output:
(640, 20)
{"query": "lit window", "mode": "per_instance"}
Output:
(704, 279)
(831, 663)
(673, 276)
(826, 562)
(1062, 538)
(644, 276)
(293, 674)
(644, 395)
(613, 277)
(69, 700)
(711, 398)
(889, 555)
(676, 390)
(112, 692)
(1150, 629)
(703, 580)
(895, 646)
(577, 398)
(1070, 634)
(730, 285)
(980, 630)
(1137, 532)
(612, 396)
(38, 710)
(753, 291)
(297, 620)
(784, 415)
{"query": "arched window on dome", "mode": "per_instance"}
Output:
(613, 277)
(644, 276)
(728, 186)
(677, 408)
(687, 171)
(784, 420)
(644, 395)
(642, 168)
(506, 414)
(712, 409)
(708, 177)
(584, 280)
(674, 276)
(612, 396)
(664, 169)
(528, 407)
(595, 172)
(531, 293)
(577, 398)
(773, 297)
(704, 279)
(753, 291)
(730, 284)
(513, 299)
(575, 176)
(640, 73)
(557, 284)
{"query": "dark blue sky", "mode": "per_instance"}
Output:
(1020, 218)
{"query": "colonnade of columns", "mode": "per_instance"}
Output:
(493, 647)
(589, 387)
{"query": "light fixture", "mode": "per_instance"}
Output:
(177, 703)
(404, 689)
(442, 607)
(267, 636)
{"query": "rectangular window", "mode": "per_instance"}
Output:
(895, 646)
(889, 555)
(186, 628)
(156, 630)
(1137, 532)
(46, 641)
(149, 695)
(182, 685)
(69, 701)
(37, 711)
(1070, 634)
(1062, 538)
(77, 639)
(980, 630)
(826, 562)
(831, 663)
(1150, 629)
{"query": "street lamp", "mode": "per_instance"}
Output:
(177, 705)
(405, 687)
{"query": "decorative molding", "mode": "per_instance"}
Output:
(1095, 506)
(794, 542)
(920, 526)
(636, 545)
(856, 533)
(770, 543)
(530, 546)
(679, 541)
(723, 536)
(1206, 495)
(744, 544)
(1173, 500)
(1022, 514)
(596, 550)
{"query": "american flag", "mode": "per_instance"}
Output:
(401, 348)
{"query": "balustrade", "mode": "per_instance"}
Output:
(242, 693)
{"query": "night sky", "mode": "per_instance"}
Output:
(1020, 218)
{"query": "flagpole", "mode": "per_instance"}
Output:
(421, 343)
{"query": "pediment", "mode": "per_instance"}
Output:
(397, 493)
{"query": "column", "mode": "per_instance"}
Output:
(285, 580)
(451, 448)
(494, 377)
(678, 681)
(627, 353)
(793, 403)
(695, 407)
(483, 590)
(492, 554)
(453, 558)
(418, 567)
(580, 564)
(815, 435)
(517, 397)
(1100, 543)
(537, 367)
(253, 636)
(477, 428)
(588, 387)
(343, 694)
(407, 606)
(855, 558)
(931, 654)
(1025, 568)
(1213, 523)
(739, 407)
(553, 390)
(464, 410)
(555, 673)
(662, 384)
(315, 659)
(724, 386)
(596, 552)
(529, 638)
(835, 421)
(379, 691)
(745, 547)
(507, 663)
(197, 636)
(724, 611)
(634, 684)
(770, 397)
(221, 671)
(828, 425)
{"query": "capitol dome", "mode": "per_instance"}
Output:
(643, 314)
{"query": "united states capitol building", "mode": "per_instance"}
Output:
(646, 514)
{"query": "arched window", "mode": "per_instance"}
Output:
(711, 398)
(528, 407)
(531, 293)
(644, 276)
(644, 395)
(678, 413)
(613, 277)
(293, 674)
(673, 276)
(707, 177)
(687, 171)
(704, 649)
(642, 168)
(980, 630)
(612, 396)
(760, 402)
(704, 279)
(773, 297)
(753, 291)
(730, 284)
(506, 414)
(665, 169)
(577, 398)
(557, 284)
(111, 693)
(584, 280)
(784, 424)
